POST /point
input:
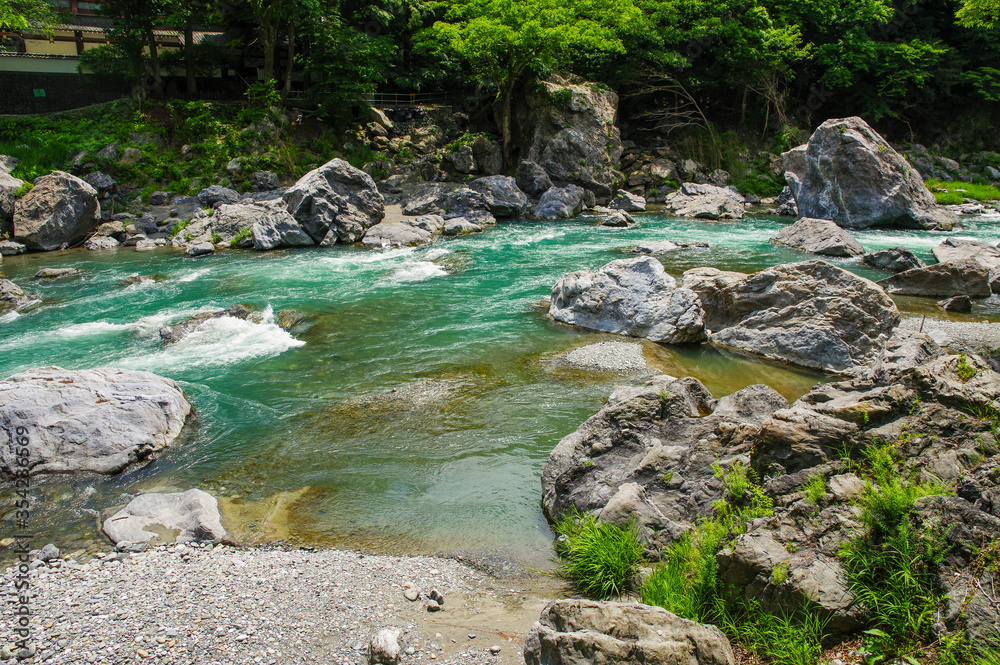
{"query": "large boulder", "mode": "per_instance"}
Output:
(501, 195)
(647, 457)
(532, 179)
(95, 420)
(275, 227)
(849, 174)
(953, 250)
(942, 280)
(395, 234)
(216, 194)
(8, 190)
(567, 127)
(559, 203)
(628, 202)
(896, 259)
(584, 632)
(13, 297)
(819, 236)
(811, 314)
(167, 517)
(335, 203)
(705, 202)
(59, 211)
(633, 297)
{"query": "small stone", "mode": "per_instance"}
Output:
(435, 595)
(494, 649)
(472, 636)
(432, 605)
(411, 594)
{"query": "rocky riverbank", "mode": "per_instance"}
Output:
(217, 604)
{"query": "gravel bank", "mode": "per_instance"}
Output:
(187, 604)
(963, 336)
(624, 357)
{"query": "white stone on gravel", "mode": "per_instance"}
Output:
(624, 357)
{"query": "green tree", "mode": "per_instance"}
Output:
(979, 13)
(504, 40)
(17, 15)
(132, 34)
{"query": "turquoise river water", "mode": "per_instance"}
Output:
(413, 410)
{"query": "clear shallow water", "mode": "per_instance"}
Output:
(414, 408)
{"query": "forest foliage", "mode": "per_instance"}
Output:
(917, 68)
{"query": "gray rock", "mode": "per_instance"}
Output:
(617, 219)
(633, 297)
(583, 632)
(559, 203)
(383, 649)
(8, 163)
(335, 203)
(849, 174)
(275, 227)
(96, 420)
(569, 131)
(628, 202)
(942, 280)
(429, 223)
(178, 331)
(395, 234)
(56, 273)
(954, 250)
(234, 167)
(961, 304)
(159, 198)
(811, 314)
(102, 182)
(131, 156)
(151, 519)
(647, 457)
(705, 202)
(460, 226)
(501, 196)
(101, 242)
(819, 236)
(532, 179)
(658, 247)
(786, 204)
(11, 248)
(719, 178)
(201, 249)
(217, 194)
(897, 259)
(8, 190)
(427, 201)
(264, 181)
(48, 553)
(148, 245)
(13, 297)
(108, 152)
(60, 211)
(462, 159)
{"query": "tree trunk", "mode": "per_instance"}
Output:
(154, 61)
(192, 83)
(290, 63)
(505, 98)
(268, 38)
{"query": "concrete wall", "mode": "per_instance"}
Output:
(62, 91)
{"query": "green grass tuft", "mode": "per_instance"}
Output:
(599, 557)
(956, 192)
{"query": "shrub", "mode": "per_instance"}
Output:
(599, 557)
(814, 489)
(240, 236)
(179, 226)
(892, 568)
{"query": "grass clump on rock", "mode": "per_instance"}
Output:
(891, 566)
(599, 557)
(955, 193)
(686, 581)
